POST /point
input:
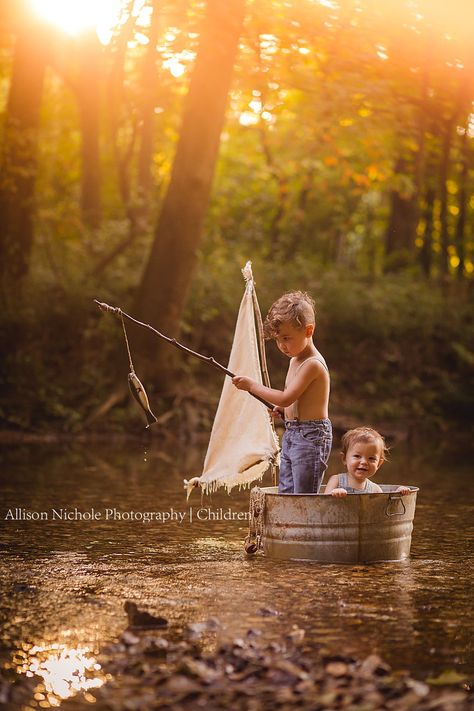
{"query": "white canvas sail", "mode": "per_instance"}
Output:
(243, 443)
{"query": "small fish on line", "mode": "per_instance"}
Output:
(139, 394)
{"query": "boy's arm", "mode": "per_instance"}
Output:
(308, 372)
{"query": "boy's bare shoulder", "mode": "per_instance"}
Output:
(315, 364)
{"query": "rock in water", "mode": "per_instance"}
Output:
(142, 620)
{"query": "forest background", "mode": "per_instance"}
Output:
(149, 150)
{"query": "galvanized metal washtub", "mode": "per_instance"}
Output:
(354, 529)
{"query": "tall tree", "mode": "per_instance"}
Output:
(147, 115)
(463, 195)
(135, 199)
(88, 87)
(399, 236)
(18, 159)
(443, 193)
(161, 296)
(426, 252)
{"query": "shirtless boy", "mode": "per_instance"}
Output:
(307, 439)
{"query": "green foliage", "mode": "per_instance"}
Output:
(399, 351)
(327, 99)
(397, 343)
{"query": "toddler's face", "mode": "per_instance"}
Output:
(363, 459)
(291, 339)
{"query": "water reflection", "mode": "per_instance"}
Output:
(64, 671)
(75, 575)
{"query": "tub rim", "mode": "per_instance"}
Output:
(273, 491)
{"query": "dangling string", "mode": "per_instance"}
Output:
(261, 340)
(132, 369)
(247, 272)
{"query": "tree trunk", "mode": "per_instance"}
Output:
(462, 202)
(405, 208)
(89, 110)
(18, 161)
(162, 294)
(400, 233)
(423, 114)
(135, 198)
(443, 197)
(300, 229)
(427, 248)
(145, 154)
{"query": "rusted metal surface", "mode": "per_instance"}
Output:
(356, 528)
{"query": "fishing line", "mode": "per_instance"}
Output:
(136, 388)
(132, 369)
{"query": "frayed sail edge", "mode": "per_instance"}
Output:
(253, 474)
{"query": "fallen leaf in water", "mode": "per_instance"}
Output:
(418, 687)
(196, 667)
(374, 665)
(267, 612)
(336, 669)
(447, 677)
(296, 635)
(181, 685)
(129, 638)
(196, 629)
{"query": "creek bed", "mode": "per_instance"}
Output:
(64, 578)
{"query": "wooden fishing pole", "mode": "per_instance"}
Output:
(172, 341)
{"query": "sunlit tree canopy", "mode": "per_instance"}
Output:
(143, 142)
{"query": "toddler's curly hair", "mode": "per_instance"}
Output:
(296, 307)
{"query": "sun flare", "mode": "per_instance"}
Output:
(63, 671)
(75, 16)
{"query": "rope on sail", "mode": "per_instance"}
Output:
(253, 541)
(264, 368)
(263, 358)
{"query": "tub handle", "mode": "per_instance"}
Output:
(395, 497)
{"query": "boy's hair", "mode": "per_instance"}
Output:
(296, 307)
(363, 434)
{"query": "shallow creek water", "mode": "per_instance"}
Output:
(63, 582)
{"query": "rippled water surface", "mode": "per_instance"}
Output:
(63, 582)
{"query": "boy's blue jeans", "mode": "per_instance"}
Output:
(305, 451)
